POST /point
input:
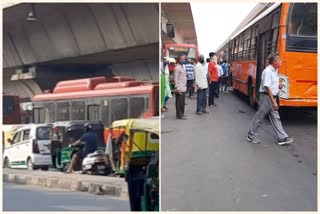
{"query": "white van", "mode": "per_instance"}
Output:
(29, 148)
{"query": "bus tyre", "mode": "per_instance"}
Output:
(6, 163)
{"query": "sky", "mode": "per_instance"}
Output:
(224, 18)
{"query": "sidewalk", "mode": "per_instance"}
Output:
(99, 185)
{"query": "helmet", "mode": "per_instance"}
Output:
(87, 127)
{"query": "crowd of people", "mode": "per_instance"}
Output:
(205, 78)
(209, 79)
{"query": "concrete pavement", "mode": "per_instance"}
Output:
(207, 165)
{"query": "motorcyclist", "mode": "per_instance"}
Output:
(90, 140)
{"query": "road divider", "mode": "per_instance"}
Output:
(98, 185)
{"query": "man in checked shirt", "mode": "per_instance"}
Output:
(180, 82)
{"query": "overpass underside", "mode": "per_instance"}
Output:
(74, 40)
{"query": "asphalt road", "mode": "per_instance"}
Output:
(207, 165)
(31, 198)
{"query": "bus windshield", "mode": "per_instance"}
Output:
(174, 52)
(303, 20)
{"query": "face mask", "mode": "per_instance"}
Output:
(201, 61)
(184, 62)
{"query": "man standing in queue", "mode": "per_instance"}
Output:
(269, 89)
(90, 140)
(214, 76)
(180, 82)
(202, 85)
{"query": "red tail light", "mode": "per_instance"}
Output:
(35, 147)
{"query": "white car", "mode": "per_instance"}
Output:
(29, 148)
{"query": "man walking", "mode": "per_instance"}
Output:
(190, 77)
(213, 75)
(269, 89)
(202, 85)
(180, 82)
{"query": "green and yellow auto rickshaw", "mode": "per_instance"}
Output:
(142, 168)
(67, 132)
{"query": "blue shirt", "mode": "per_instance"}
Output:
(90, 140)
(225, 69)
(190, 71)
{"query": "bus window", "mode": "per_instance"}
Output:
(50, 112)
(174, 52)
(303, 20)
(63, 111)
(119, 108)
(38, 115)
(93, 112)
(78, 110)
(105, 113)
(147, 104)
(137, 105)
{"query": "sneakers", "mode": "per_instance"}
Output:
(285, 141)
(205, 112)
(253, 140)
(198, 113)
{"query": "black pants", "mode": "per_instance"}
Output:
(190, 87)
(212, 90)
(224, 83)
(201, 100)
(180, 104)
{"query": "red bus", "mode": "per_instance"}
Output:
(289, 29)
(174, 50)
(11, 112)
(93, 99)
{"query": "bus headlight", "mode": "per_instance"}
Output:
(283, 86)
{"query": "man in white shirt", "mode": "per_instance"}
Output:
(269, 90)
(201, 81)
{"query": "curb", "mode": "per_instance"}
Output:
(97, 188)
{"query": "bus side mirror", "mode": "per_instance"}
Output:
(10, 140)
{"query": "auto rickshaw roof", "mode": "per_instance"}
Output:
(149, 125)
(121, 123)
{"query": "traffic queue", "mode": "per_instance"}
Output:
(82, 128)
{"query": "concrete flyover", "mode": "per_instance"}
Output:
(181, 16)
(87, 39)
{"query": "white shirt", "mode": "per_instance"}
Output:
(201, 72)
(270, 79)
(220, 70)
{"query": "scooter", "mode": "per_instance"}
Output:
(94, 163)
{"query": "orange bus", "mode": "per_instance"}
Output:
(93, 99)
(289, 29)
(174, 50)
(11, 112)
